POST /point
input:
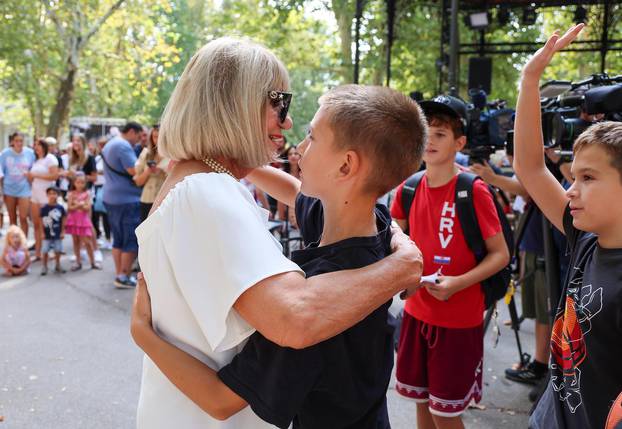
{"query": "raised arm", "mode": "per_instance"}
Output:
(529, 163)
(277, 183)
(304, 312)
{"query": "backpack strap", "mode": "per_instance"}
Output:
(465, 210)
(115, 171)
(408, 191)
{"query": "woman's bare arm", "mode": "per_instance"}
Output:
(303, 312)
(276, 183)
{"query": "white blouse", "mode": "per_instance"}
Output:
(200, 250)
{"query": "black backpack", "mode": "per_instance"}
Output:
(494, 287)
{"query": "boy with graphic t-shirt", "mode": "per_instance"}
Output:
(53, 217)
(361, 143)
(586, 339)
(444, 319)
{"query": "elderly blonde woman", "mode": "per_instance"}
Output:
(214, 271)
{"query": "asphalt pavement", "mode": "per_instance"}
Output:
(67, 359)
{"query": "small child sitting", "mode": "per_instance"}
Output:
(53, 217)
(15, 257)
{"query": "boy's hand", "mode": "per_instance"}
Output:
(536, 65)
(444, 288)
(141, 310)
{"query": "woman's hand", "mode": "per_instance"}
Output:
(141, 311)
(444, 288)
(538, 62)
(410, 257)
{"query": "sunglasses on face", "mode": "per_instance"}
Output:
(280, 100)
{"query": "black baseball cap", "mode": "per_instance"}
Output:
(446, 105)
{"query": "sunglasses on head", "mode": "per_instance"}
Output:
(280, 100)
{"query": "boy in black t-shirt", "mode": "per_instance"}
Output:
(586, 340)
(53, 217)
(362, 142)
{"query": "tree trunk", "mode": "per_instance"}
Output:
(60, 113)
(75, 45)
(379, 74)
(344, 13)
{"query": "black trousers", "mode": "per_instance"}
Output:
(95, 217)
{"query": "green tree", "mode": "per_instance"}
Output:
(107, 56)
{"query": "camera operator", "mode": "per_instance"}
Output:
(534, 292)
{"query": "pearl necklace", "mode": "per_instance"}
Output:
(218, 167)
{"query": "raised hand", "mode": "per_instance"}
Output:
(538, 62)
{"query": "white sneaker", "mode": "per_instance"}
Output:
(100, 242)
(97, 255)
(108, 245)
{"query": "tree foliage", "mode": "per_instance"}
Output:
(126, 55)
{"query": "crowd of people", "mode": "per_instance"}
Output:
(61, 192)
(76, 191)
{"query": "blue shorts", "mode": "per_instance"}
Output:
(55, 244)
(124, 219)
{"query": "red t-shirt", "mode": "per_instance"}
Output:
(435, 227)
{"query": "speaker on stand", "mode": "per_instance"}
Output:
(480, 73)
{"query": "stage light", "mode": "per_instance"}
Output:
(478, 20)
(580, 15)
(503, 15)
(529, 15)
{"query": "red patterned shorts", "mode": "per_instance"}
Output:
(440, 366)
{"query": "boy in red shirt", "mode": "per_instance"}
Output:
(444, 320)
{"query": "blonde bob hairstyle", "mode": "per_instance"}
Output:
(218, 108)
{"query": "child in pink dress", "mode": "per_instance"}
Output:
(79, 223)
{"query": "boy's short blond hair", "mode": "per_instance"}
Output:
(218, 108)
(385, 125)
(607, 135)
